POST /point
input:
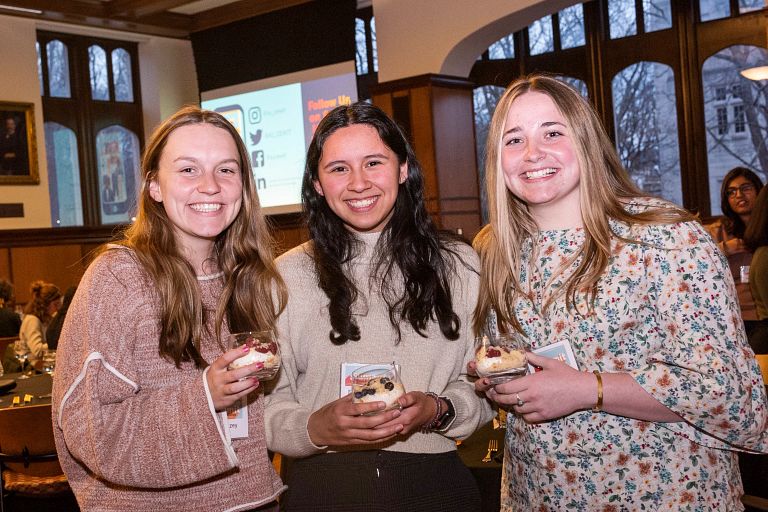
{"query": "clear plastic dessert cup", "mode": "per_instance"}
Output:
(377, 383)
(501, 357)
(263, 348)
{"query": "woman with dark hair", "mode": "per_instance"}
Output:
(53, 331)
(376, 283)
(756, 240)
(10, 322)
(45, 302)
(142, 389)
(737, 201)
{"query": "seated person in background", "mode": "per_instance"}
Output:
(756, 240)
(46, 301)
(9, 320)
(737, 200)
(54, 327)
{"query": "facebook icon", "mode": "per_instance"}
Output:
(258, 158)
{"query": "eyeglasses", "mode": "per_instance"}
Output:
(744, 189)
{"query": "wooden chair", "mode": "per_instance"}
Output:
(28, 458)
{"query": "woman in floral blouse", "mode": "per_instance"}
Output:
(667, 387)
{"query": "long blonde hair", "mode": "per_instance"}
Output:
(604, 187)
(243, 252)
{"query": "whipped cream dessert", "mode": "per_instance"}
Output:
(492, 360)
(264, 352)
(379, 389)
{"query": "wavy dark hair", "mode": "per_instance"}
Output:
(410, 247)
(732, 223)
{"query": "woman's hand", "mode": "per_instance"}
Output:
(340, 423)
(552, 392)
(225, 385)
(417, 410)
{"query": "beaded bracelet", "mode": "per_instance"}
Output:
(430, 425)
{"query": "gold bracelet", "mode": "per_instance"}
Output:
(599, 405)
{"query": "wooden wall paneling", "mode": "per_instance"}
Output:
(441, 119)
(61, 265)
(423, 139)
(454, 145)
(5, 264)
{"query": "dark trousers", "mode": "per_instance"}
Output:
(380, 481)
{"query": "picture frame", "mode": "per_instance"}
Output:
(18, 144)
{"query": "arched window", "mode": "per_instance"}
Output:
(541, 37)
(63, 175)
(104, 92)
(361, 53)
(97, 66)
(736, 120)
(485, 100)
(118, 156)
(121, 75)
(646, 135)
(58, 69)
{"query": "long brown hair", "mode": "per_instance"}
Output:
(42, 295)
(243, 252)
(605, 189)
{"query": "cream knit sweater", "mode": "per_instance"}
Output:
(310, 375)
(134, 432)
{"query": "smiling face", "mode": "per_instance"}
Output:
(199, 182)
(539, 161)
(359, 176)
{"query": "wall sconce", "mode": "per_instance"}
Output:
(756, 73)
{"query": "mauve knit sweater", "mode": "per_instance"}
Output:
(134, 432)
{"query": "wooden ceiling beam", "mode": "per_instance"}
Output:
(89, 13)
(141, 8)
(238, 11)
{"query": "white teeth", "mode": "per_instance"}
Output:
(361, 203)
(532, 175)
(206, 207)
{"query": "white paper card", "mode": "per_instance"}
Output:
(560, 350)
(237, 419)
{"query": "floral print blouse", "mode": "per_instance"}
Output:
(666, 313)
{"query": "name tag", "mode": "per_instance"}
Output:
(237, 419)
(560, 350)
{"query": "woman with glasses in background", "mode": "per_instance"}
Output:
(737, 200)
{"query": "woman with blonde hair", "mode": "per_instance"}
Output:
(38, 312)
(142, 385)
(662, 386)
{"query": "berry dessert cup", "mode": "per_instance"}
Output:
(377, 383)
(263, 348)
(501, 357)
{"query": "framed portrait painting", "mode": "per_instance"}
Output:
(18, 146)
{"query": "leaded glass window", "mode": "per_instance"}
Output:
(97, 65)
(58, 69)
(121, 75)
(571, 21)
(117, 151)
(727, 145)
(540, 36)
(646, 133)
(63, 175)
